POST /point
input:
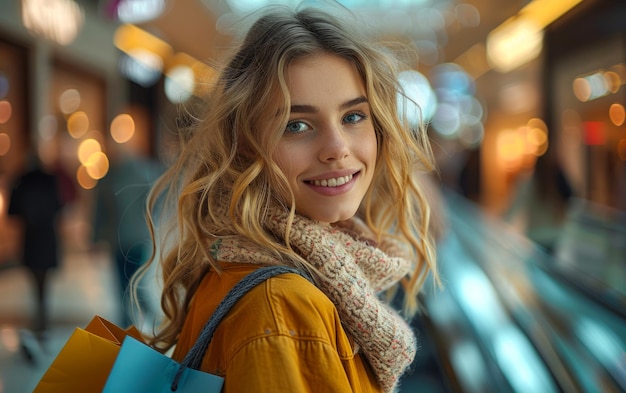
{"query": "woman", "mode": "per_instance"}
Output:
(299, 134)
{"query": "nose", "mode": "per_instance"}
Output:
(335, 144)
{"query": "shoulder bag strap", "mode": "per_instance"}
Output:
(193, 359)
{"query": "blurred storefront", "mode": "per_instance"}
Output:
(61, 94)
(564, 99)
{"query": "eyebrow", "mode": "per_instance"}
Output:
(314, 109)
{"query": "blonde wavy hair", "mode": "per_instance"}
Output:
(225, 180)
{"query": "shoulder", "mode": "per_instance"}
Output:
(285, 302)
(276, 304)
(293, 288)
(287, 306)
(286, 313)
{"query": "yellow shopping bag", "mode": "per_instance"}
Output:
(84, 362)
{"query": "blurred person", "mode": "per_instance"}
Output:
(299, 158)
(469, 176)
(119, 217)
(541, 201)
(36, 202)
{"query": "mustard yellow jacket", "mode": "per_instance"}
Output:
(283, 336)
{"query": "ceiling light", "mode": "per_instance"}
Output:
(514, 44)
(138, 11)
(56, 20)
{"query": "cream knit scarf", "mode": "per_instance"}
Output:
(354, 271)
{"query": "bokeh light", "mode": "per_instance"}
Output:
(137, 11)
(141, 66)
(513, 44)
(617, 114)
(48, 127)
(596, 85)
(422, 101)
(538, 140)
(86, 149)
(69, 101)
(447, 120)
(459, 115)
(78, 124)
(97, 165)
(5, 143)
(6, 110)
(122, 128)
(582, 89)
(179, 83)
(613, 81)
(83, 178)
(56, 20)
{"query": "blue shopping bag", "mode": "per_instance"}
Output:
(140, 368)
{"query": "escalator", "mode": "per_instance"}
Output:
(511, 318)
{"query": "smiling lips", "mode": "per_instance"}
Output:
(333, 182)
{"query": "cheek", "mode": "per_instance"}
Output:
(287, 164)
(292, 158)
(369, 156)
(370, 148)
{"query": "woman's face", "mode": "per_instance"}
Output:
(328, 149)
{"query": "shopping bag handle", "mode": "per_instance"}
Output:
(194, 357)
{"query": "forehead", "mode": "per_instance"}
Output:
(323, 75)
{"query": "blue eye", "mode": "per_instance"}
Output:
(353, 118)
(296, 127)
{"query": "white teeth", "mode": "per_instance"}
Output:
(334, 182)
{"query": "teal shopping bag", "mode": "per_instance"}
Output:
(142, 369)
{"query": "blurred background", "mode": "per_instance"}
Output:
(525, 105)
